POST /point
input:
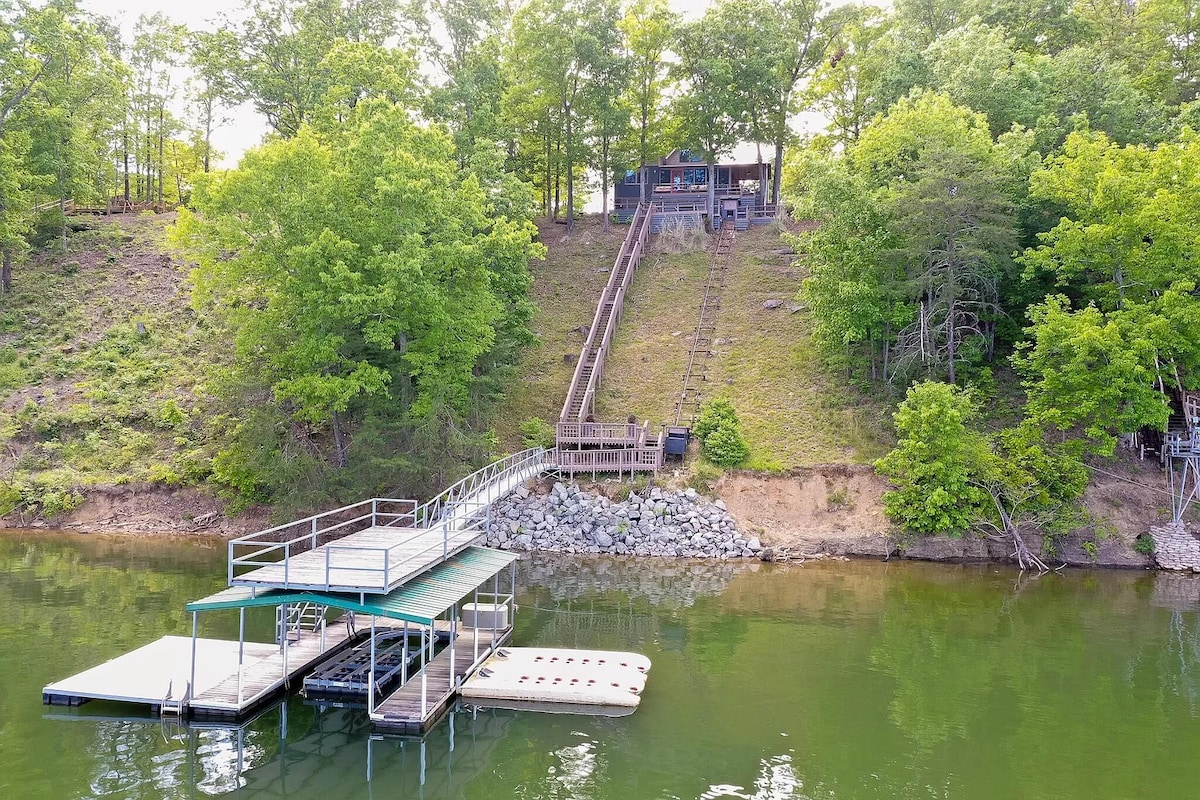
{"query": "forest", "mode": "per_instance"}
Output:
(1006, 194)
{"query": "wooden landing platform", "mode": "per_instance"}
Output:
(400, 712)
(377, 559)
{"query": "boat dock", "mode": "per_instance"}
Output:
(346, 586)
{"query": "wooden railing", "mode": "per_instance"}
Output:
(605, 321)
(611, 434)
(632, 459)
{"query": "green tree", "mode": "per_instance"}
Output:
(648, 27)
(360, 270)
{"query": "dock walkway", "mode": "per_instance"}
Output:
(401, 712)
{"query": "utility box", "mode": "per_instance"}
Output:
(677, 441)
(485, 615)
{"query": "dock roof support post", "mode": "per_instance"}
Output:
(425, 671)
(475, 631)
(404, 657)
(285, 640)
(195, 632)
(371, 674)
(495, 616)
(453, 635)
(241, 649)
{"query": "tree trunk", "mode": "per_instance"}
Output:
(777, 178)
(6, 271)
(546, 194)
(161, 158)
(570, 169)
(125, 150)
(339, 442)
(604, 170)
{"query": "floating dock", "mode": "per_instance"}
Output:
(543, 675)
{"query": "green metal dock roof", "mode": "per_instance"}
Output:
(421, 600)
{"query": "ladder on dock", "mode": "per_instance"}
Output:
(696, 372)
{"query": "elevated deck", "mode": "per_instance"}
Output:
(376, 546)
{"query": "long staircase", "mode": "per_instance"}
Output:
(584, 445)
(695, 375)
(581, 396)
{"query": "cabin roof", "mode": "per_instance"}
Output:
(420, 601)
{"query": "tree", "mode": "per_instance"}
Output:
(648, 27)
(360, 270)
(933, 464)
(950, 477)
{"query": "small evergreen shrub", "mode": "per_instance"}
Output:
(720, 434)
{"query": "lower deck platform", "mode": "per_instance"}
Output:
(402, 712)
(163, 669)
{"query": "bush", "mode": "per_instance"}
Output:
(720, 434)
(536, 432)
(713, 414)
(725, 446)
(1144, 544)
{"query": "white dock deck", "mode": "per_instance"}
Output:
(145, 675)
(376, 560)
(379, 559)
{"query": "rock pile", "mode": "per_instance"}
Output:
(675, 524)
(1175, 547)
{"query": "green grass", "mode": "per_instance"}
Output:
(100, 355)
(793, 411)
(566, 288)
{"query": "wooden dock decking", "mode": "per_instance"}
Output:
(145, 675)
(400, 712)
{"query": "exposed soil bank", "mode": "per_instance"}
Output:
(829, 510)
(148, 510)
(838, 510)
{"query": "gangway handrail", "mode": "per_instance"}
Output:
(454, 511)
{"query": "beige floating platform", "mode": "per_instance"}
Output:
(544, 675)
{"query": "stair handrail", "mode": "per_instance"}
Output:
(614, 291)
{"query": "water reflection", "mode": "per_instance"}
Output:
(825, 681)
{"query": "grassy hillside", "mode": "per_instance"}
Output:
(793, 412)
(566, 287)
(99, 358)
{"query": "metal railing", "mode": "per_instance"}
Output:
(455, 512)
(1184, 444)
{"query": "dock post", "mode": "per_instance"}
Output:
(475, 631)
(195, 631)
(371, 674)
(453, 636)
(424, 673)
(241, 649)
(404, 657)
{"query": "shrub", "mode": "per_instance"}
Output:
(725, 446)
(536, 432)
(1144, 544)
(712, 415)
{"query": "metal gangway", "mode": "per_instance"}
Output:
(376, 545)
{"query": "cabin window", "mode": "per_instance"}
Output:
(685, 156)
(631, 177)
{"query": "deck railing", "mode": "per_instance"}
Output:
(632, 459)
(1184, 444)
(614, 434)
(456, 511)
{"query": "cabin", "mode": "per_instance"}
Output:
(683, 186)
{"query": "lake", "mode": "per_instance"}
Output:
(824, 680)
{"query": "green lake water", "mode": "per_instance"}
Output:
(831, 680)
